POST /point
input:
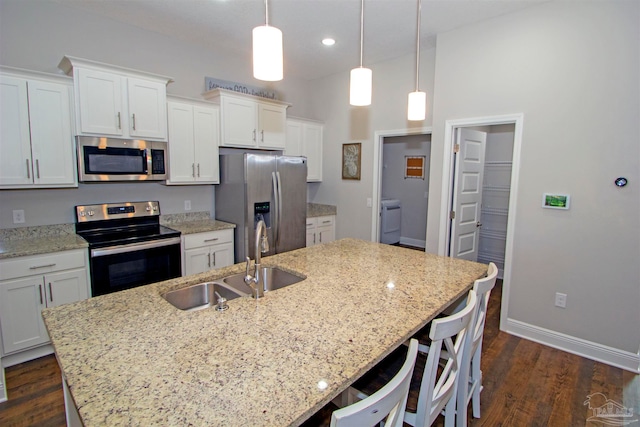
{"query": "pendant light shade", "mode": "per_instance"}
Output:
(360, 89)
(417, 105)
(267, 51)
(361, 78)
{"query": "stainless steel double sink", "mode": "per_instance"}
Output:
(207, 294)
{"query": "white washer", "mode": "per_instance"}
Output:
(390, 219)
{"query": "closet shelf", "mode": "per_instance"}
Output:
(495, 211)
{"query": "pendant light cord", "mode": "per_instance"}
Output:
(361, 31)
(266, 12)
(418, 45)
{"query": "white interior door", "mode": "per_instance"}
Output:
(467, 194)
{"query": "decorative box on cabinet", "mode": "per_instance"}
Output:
(250, 122)
(116, 101)
(29, 284)
(36, 131)
(304, 138)
(194, 130)
(321, 229)
(207, 251)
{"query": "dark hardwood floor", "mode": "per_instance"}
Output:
(525, 384)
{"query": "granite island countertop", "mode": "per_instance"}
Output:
(131, 358)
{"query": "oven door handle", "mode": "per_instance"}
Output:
(112, 250)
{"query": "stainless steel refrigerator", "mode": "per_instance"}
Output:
(271, 186)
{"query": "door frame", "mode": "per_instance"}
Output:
(379, 137)
(447, 191)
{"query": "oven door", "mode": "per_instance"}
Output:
(116, 268)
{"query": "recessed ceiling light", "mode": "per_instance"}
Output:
(328, 41)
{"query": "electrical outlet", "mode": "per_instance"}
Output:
(18, 216)
(561, 300)
(187, 205)
(369, 202)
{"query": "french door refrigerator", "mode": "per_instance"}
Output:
(273, 187)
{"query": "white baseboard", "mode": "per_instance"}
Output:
(3, 386)
(26, 355)
(598, 352)
(413, 242)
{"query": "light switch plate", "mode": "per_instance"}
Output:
(187, 205)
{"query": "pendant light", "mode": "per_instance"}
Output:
(360, 87)
(417, 105)
(267, 51)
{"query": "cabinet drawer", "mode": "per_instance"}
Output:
(311, 223)
(41, 264)
(325, 220)
(199, 240)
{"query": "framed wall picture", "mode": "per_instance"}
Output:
(556, 201)
(351, 158)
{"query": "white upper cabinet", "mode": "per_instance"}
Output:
(304, 138)
(250, 122)
(118, 102)
(36, 131)
(194, 131)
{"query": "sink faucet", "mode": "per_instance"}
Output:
(261, 246)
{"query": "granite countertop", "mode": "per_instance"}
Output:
(194, 222)
(316, 209)
(17, 242)
(131, 358)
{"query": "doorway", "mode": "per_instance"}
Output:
(392, 151)
(513, 124)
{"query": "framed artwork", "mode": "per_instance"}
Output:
(351, 158)
(555, 201)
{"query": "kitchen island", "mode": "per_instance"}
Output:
(131, 358)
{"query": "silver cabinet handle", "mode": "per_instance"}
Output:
(50, 293)
(28, 172)
(198, 170)
(209, 257)
(119, 121)
(327, 221)
(212, 240)
(193, 170)
(40, 289)
(38, 168)
(35, 267)
(214, 259)
(133, 118)
(262, 135)
(254, 134)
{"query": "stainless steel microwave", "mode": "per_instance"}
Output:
(111, 159)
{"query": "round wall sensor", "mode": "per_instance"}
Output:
(621, 182)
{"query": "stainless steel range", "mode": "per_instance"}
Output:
(127, 245)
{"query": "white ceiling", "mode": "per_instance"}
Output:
(389, 29)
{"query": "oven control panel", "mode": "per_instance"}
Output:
(85, 213)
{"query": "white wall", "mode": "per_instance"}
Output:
(36, 34)
(573, 69)
(392, 82)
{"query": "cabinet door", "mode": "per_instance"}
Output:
(294, 139)
(51, 133)
(20, 304)
(273, 123)
(238, 122)
(147, 109)
(100, 98)
(312, 148)
(181, 148)
(15, 142)
(311, 231)
(206, 130)
(222, 255)
(197, 261)
(325, 229)
(66, 287)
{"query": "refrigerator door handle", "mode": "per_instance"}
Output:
(275, 176)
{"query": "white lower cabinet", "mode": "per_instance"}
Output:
(207, 251)
(321, 229)
(29, 284)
